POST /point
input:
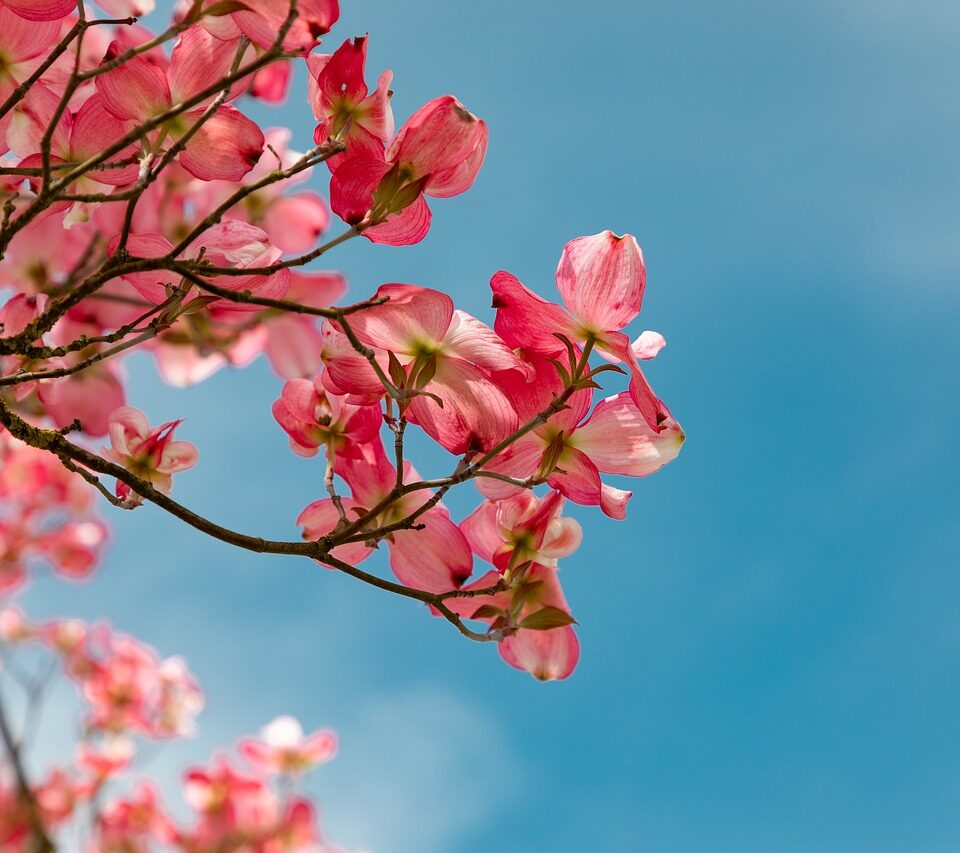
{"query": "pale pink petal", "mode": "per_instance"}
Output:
(436, 558)
(648, 344)
(614, 501)
(320, 746)
(128, 427)
(563, 537)
(473, 341)
(177, 456)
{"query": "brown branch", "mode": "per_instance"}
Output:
(54, 442)
(41, 841)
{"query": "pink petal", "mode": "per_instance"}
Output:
(89, 396)
(475, 415)
(441, 139)
(21, 40)
(577, 478)
(546, 655)
(94, 129)
(271, 84)
(150, 285)
(601, 280)
(352, 186)
(525, 319)
(294, 222)
(482, 531)
(320, 746)
(519, 460)
(369, 474)
(473, 341)
(652, 408)
(436, 558)
(126, 8)
(321, 517)
(459, 178)
(412, 319)
(41, 10)
(406, 228)
(227, 146)
(294, 346)
(620, 441)
(177, 456)
(349, 371)
(614, 501)
(198, 59)
(135, 90)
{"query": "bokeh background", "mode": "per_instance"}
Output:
(770, 642)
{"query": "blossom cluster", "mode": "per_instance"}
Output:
(129, 696)
(142, 209)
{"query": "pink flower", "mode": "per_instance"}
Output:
(151, 454)
(534, 616)
(437, 152)
(571, 450)
(284, 749)
(313, 419)
(514, 532)
(343, 105)
(445, 353)
(601, 280)
(436, 558)
(227, 145)
(107, 758)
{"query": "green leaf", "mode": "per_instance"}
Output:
(488, 611)
(225, 7)
(604, 368)
(547, 618)
(397, 374)
(427, 371)
(562, 371)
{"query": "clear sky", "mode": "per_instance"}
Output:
(770, 641)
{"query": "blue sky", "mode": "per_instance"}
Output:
(770, 642)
